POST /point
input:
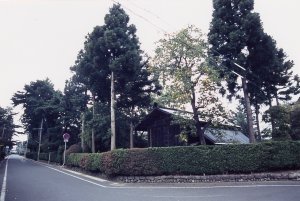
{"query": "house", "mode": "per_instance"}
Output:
(163, 132)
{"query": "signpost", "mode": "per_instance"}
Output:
(66, 137)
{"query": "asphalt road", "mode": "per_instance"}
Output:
(26, 180)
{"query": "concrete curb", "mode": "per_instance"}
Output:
(267, 176)
(211, 178)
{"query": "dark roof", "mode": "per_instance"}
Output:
(215, 135)
(225, 136)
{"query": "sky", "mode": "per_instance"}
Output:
(40, 39)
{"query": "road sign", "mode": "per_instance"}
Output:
(66, 137)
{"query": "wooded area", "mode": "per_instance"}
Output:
(115, 84)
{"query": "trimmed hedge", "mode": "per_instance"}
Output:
(54, 156)
(86, 161)
(199, 160)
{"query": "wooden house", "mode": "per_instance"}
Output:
(162, 132)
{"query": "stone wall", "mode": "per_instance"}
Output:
(211, 178)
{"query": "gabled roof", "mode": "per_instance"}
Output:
(225, 136)
(157, 111)
(215, 135)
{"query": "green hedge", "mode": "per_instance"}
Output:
(31, 155)
(197, 160)
(55, 156)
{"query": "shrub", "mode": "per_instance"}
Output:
(44, 156)
(2, 154)
(198, 160)
(86, 161)
(75, 148)
(31, 155)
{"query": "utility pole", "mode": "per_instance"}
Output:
(40, 139)
(82, 131)
(112, 113)
(3, 131)
(93, 129)
(26, 145)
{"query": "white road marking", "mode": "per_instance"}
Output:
(87, 176)
(122, 186)
(188, 196)
(3, 190)
(74, 177)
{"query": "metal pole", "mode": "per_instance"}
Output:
(65, 153)
(3, 131)
(82, 132)
(26, 145)
(40, 139)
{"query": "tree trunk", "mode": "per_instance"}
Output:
(199, 130)
(272, 121)
(200, 133)
(249, 112)
(82, 132)
(257, 122)
(131, 135)
(277, 100)
(112, 112)
(131, 128)
(93, 130)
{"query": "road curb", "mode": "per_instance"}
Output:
(268, 176)
(282, 176)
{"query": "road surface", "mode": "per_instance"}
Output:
(26, 180)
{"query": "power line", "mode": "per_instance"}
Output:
(150, 12)
(126, 8)
(216, 64)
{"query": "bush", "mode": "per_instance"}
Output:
(199, 160)
(2, 154)
(86, 161)
(31, 155)
(75, 148)
(44, 156)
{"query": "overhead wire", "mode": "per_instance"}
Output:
(216, 64)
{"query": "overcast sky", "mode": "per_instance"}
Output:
(40, 39)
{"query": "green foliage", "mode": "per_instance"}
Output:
(187, 79)
(75, 148)
(55, 157)
(279, 116)
(114, 47)
(73, 104)
(86, 161)
(241, 158)
(40, 101)
(239, 118)
(295, 121)
(7, 128)
(31, 155)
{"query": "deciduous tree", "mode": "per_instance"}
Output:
(188, 80)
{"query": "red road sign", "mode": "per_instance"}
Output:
(66, 137)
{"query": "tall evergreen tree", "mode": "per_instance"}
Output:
(7, 128)
(112, 61)
(41, 103)
(73, 105)
(233, 31)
